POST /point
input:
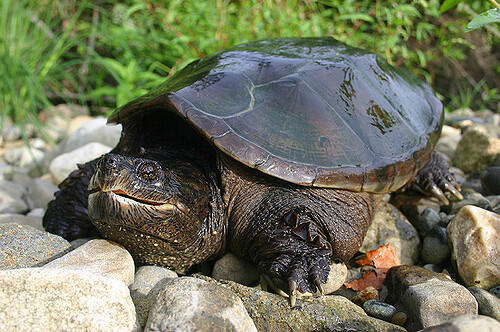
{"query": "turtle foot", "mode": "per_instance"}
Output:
(436, 180)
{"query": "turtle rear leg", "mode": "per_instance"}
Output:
(434, 179)
(67, 214)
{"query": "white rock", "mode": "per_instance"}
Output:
(101, 257)
(36, 299)
(467, 323)
(231, 267)
(64, 164)
(40, 193)
(474, 237)
(30, 157)
(96, 131)
(21, 219)
(77, 122)
(36, 213)
(476, 150)
(12, 197)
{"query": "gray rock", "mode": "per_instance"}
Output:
(470, 198)
(148, 282)
(389, 225)
(13, 156)
(190, 304)
(427, 221)
(12, 197)
(272, 313)
(30, 156)
(40, 193)
(336, 278)
(448, 141)
(37, 299)
(490, 181)
(495, 291)
(432, 267)
(5, 171)
(379, 309)
(494, 203)
(476, 150)
(467, 323)
(36, 213)
(434, 250)
(489, 304)
(413, 205)
(21, 219)
(474, 236)
(95, 131)
(101, 257)
(64, 164)
(24, 246)
(230, 267)
(428, 298)
(11, 133)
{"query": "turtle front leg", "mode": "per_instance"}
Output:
(67, 214)
(434, 179)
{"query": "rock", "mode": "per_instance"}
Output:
(272, 313)
(470, 198)
(101, 257)
(427, 220)
(389, 225)
(435, 250)
(336, 278)
(495, 291)
(494, 203)
(432, 267)
(64, 164)
(36, 213)
(490, 181)
(467, 323)
(30, 156)
(489, 304)
(230, 267)
(428, 298)
(11, 133)
(11, 197)
(476, 150)
(147, 284)
(448, 141)
(190, 304)
(413, 205)
(13, 156)
(399, 318)
(379, 309)
(474, 238)
(77, 122)
(369, 293)
(40, 193)
(37, 299)
(24, 246)
(94, 131)
(21, 219)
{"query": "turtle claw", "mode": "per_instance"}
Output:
(453, 189)
(319, 285)
(292, 292)
(438, 193)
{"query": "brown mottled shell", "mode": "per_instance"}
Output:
(312, 111)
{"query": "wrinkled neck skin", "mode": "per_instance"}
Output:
(164, 207)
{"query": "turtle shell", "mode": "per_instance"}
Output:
(311, 111)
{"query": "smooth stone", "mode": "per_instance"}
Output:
(495, 291)
(474, 238)
(30, 156)
(467, 323)
(432, 267)
(38, 299)
(272, 313)
(12, 197)
(191, 304)
(231, 267)
(427, 297)
(476, 150)
(21, 219)
(494, 203)
(40, 193)
(489, 304)
(25, 246)
(413, 205)
(379, 309)
(448, 141)
(434, 250)
(80, 242)
(147, 284)
(336, 278)
(389, 225)
(77, 122)
(369, 293)
(490, 181)
(427, 220)
(11, 133)
(13, 156)
(64, 164)
(101, 257)
(399, 318)
(95, 131)
(470, 198)
(37, 213)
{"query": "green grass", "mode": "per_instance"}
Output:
(104, 53)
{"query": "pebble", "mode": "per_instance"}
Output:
(448, 141)
(470, 198)
(389, 225)
(495, 291)
(25, 246)
(474, 236)
(379, 309)
(426, 296)
(11, 133)
(435, 250)
(12, 197)
(427, 220)
(467, 323)
(489, 304)
(399, 318)
(64, 164)
(369, 293)
(40, 299)
(230, 267)
(476, 150)
(191, 304)
(490, 181)
(21, 219)
(40, 193)
(100, 257)
(147, 284)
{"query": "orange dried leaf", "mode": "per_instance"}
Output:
(373, 278)
(382, 257)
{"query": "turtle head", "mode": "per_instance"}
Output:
(160, 208)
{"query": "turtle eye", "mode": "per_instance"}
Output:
(148, 171)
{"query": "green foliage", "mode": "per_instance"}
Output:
(106, 52)
(488, 17)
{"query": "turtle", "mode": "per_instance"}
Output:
(276, 150)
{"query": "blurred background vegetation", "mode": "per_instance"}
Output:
(103, 53)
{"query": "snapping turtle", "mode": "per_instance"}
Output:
(277, 150)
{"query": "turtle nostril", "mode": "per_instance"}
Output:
(148, 171)
(110, 161)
